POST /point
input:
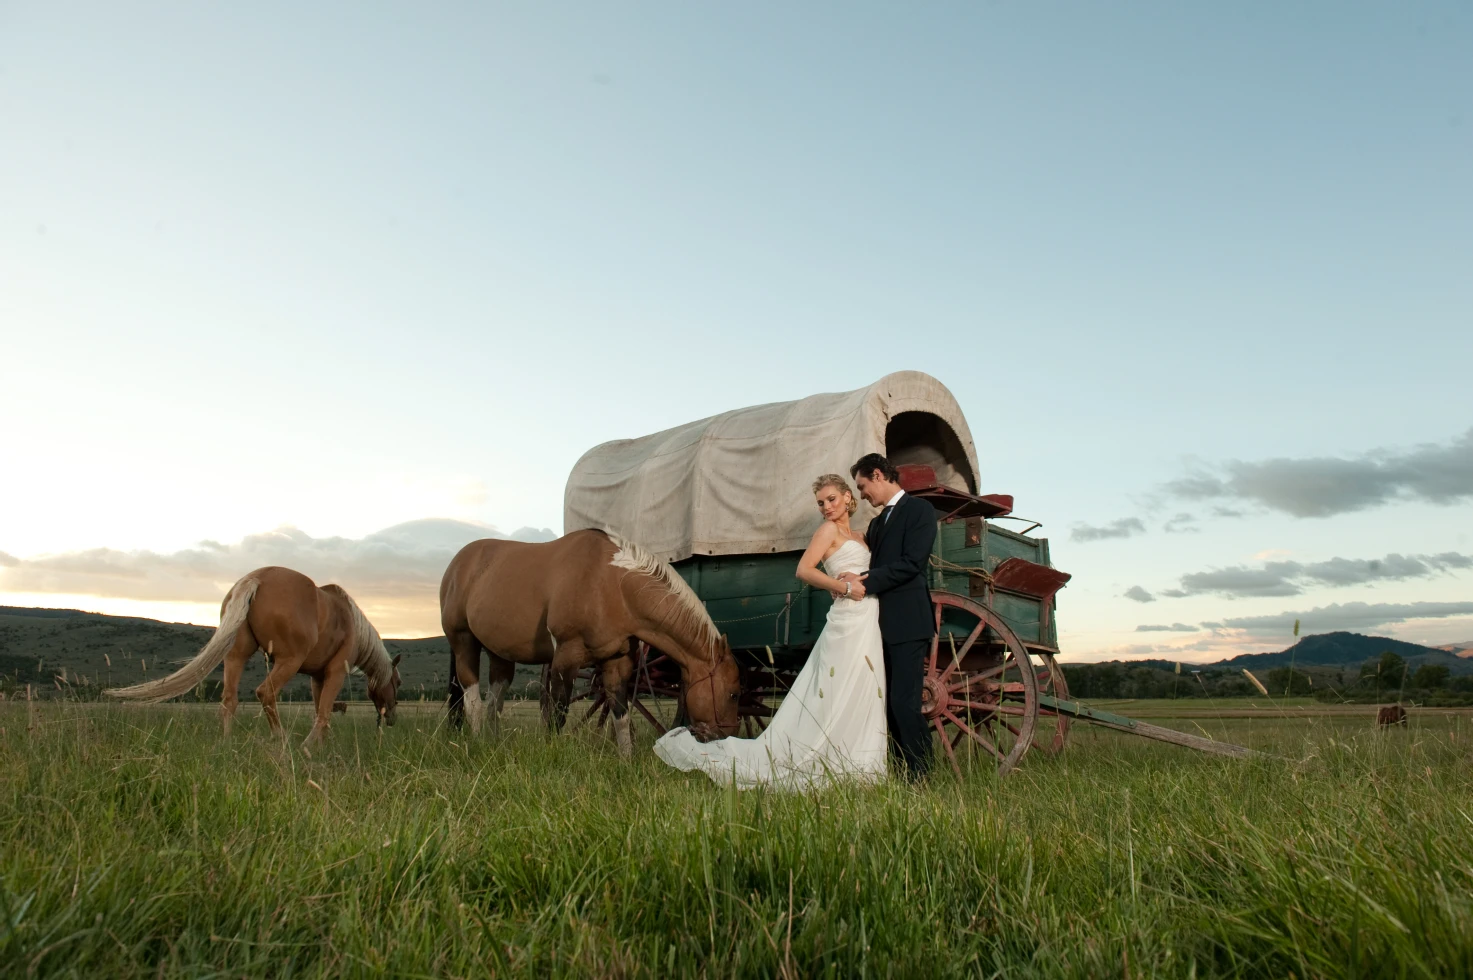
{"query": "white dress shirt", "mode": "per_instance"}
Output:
(892, 502)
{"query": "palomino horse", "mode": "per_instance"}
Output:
(576, 602)
(304, 629)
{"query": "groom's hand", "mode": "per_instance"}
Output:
(856, 585)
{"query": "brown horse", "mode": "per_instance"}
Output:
(577, 602)
(1391, 714)
(304, 629)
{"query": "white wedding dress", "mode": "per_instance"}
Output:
(829, 727)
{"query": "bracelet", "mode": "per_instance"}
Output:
(848, 587)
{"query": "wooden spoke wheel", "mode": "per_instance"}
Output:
(981, 688)
(761, 687)
(1053, 728)
(655, 676)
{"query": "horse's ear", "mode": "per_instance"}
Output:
(397, 657)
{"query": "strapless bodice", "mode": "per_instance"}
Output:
(851, 557)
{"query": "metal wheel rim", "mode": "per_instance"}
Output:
(1053, 728)
(940, 672)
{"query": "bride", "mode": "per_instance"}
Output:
(831, 725)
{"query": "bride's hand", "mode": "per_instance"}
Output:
(854, 584)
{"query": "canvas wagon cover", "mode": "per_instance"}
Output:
(740, 482)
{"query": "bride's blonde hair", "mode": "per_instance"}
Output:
(838, 483)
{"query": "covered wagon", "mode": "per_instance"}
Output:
(728, 501)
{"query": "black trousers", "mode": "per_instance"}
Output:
(905, 674)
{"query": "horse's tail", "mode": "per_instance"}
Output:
(188, 676)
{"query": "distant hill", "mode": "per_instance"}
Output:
(1464, 649)
(43, 646)
(1327, 650)
(1348, 650)
(1330, 663)
(52, 648)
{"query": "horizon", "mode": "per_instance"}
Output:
(1462, 649)
(344, 290)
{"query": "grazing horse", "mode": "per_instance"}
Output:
(304, 629)
(576, 602)
(1391, 714)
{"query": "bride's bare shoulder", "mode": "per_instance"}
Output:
(825, 535)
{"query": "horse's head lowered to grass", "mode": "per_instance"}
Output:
(674, 620)
(384, 692)
(381, 672)
(712, 690)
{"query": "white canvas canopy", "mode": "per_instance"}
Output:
(741, 482)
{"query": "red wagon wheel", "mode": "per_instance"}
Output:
(761, 686)
(980, 688)
(656, 676)
(1053, 727)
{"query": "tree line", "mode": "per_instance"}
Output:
(1385, 678)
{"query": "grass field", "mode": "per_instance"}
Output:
(138, 842)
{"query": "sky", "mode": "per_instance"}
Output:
(344, 286)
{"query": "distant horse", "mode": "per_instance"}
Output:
(577, 602)
(304, 629)
(1391, 714)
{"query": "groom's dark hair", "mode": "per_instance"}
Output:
(871, 463)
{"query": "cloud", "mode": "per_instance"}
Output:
(1273, 579)
(404, 561)
(1139, 594)
(1123, 528)
(1173, 651)
(1173, 628)
(1286, 578)
(8, 561)
(1394, 567)
(1352, 616)
(1324, 486)
(1181, 524)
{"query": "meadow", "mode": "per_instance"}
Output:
(137, 841)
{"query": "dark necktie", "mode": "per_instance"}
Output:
(885, 517)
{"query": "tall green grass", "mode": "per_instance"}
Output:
(138, 841)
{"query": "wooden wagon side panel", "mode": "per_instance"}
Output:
(963, 545)
(757, 600)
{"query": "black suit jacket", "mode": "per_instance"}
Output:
(900, 550)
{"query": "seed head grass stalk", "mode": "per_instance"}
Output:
(137, 841)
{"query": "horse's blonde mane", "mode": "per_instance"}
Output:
(690, 610)
(370, 657)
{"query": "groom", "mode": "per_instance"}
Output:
(900, 541)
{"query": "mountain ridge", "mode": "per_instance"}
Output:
(1341, 649)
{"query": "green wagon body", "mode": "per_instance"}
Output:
(760, 604)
